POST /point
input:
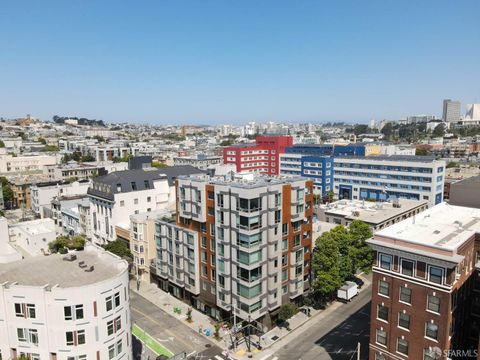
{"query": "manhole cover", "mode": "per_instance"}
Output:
(275, 338)
(208, 345)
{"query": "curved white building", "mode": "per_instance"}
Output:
(59, 307)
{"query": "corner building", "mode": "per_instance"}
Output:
(426, 286)
(241, 245)
(51, 308)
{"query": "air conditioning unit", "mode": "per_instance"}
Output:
(457, 276)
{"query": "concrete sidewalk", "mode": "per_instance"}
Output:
(167, 302)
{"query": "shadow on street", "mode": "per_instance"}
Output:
(341, 342)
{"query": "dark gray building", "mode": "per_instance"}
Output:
(466, 192)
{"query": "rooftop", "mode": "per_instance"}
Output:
(406, 158)
(245, 180)
(443, 226)
(371, 212)
(35, 227)
(54, 270)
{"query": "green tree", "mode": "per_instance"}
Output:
(2, 144)
(87, 157)
(50, 148)
(42, 141)
(66, 242)
(326, 265)
(158, 164)
(452, 164)
(387, 130)
(286, 311)
(119, 248)
(439, 130)
(7, 192)
(421, 151)
(361, 252)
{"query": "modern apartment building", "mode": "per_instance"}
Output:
(241, 244)
(63, 307)
(387, 177)
(262, 157)
(426, 286)
(318, 168)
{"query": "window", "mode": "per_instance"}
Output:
(147, 184)
(69, 337)
(149, 198)
(22, 335)
(135, 201)
(385, 261)
(134, 185)
(33, 336)
(122, 203)
(382, 312)
(429, 354)
(25, 310)
(111, 352)
(119, 347)
(109, 303)
(384, 288)
(75, 337)
(402, 346)
(433, 303)
(435, 275)
(112, 302)
(404, 320)
(73, 312)
(407, 267)
(382, 337)
(379, 356)
(405, 295)
(19, 311)
(278, 216)
(81, 337)
(431, 330)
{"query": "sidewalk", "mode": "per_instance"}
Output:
(168, 303)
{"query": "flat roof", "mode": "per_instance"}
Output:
(406, 158)
(54, 270)
(247, 180)
(443, 226)
(371, 212)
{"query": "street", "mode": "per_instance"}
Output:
(170, 332)
(335, 337)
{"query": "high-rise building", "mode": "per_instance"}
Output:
(65, 307)
(451, 111)
(241, 244)
(262, 157)
(426, 286)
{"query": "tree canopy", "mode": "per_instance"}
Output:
(119, 248)
(339, 254)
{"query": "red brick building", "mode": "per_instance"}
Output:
(426, 286)
(261, 157)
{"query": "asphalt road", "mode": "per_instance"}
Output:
(334, 337)
(170, 332)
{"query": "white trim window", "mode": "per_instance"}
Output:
(73, 312)
(435, 274)
(385, 261)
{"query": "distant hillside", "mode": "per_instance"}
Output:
(81, 121)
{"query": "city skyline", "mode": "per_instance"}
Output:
(212, 62)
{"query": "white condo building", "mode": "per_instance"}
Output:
(63, 307)
(381, 178)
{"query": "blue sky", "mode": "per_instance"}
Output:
(205, 61)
